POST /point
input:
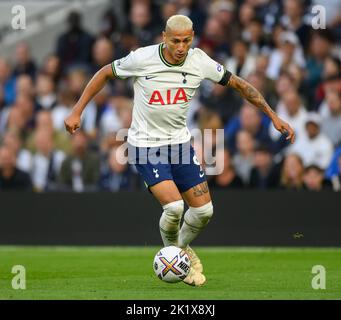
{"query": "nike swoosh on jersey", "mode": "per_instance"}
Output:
(201, 175)
(150, 77)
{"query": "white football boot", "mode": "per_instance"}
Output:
(195, 261)
(195, 278)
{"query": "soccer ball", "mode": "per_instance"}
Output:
(171, 264)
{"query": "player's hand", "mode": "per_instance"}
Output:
(72, 123)
(284, 128)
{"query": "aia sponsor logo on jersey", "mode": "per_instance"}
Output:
(168, 97)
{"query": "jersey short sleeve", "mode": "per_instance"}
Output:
(125, 67)
(213, 70)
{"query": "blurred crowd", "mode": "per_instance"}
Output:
(270, 43)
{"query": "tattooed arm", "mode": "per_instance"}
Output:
(252, 95)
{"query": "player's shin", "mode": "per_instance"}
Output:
(170, 222)
(195, 221)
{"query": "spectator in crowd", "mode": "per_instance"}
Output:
(267, 86)
(292, 173)
(244, 157)
(314, 179)
(297, 73)
(76, 80)
(270, 12)
(253, 34)
(319, 50)
(46, 162)
(80, 171)
(225, 13)
(107, 143)
(313, 146)
(51, 67)
(24, 63)
(331, 80)
(12, 140)
(125, 112)
(74, 46)
(242, 62)
(293, 111)
(284, 84)
(102, 53)
(250, 120)
(228, 179)
(111, 120)
(7, 81)
(109, 25)
(97, 109)
(44, 123)
(20, 116)
(118, 175)
(264, 173)
(25, 86)
(331, 123)
(263, 84)
(46, 93)
(65, 102)
(141, 24)
(13, 120)
(246, 15)
(223, 101)
(292, 20)
(12, 178)
(289, 51)
(332, 83)
(214, 39)
(331, 67)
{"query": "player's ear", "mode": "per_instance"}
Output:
(164, 36)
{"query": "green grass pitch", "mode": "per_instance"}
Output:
(126, 273)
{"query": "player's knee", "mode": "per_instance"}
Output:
(173, 211)
(203, 213)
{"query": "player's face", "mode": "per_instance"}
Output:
(177, 44)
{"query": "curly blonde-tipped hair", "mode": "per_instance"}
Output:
(179, 23)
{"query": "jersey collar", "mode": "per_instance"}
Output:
(163, 59)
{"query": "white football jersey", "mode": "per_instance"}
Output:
(162, 92)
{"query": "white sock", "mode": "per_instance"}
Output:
(195, 221)
(170, 222)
